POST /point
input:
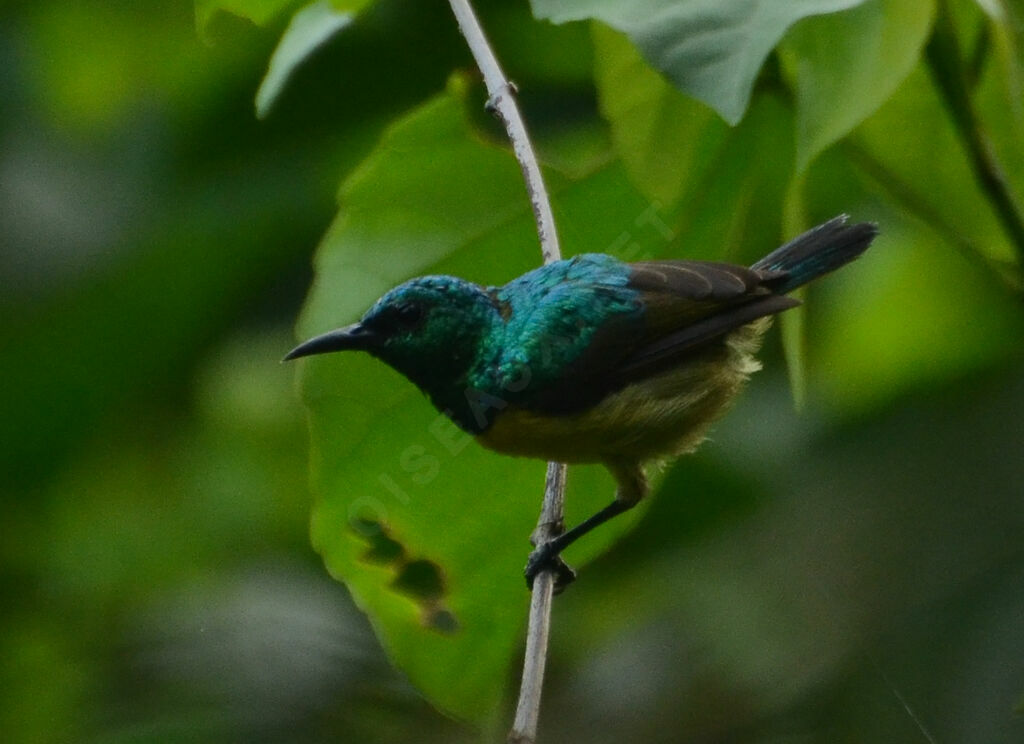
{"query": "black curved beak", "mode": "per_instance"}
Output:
(350, 338)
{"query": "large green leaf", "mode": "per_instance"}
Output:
(427, 529)
(710, 49)
(846, 65)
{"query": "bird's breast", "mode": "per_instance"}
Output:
(666, 414)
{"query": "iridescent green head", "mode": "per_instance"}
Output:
(428, 329)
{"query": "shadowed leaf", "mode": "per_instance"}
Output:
(310, 28)
(710, 49)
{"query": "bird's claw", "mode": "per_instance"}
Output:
(544, 559)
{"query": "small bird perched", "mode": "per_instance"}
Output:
(591, 359)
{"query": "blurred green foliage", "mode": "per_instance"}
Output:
(849, 574)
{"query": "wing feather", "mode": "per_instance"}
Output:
(688, 305)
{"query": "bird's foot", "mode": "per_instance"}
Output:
(544, 558)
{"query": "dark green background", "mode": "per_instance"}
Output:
(807, 577)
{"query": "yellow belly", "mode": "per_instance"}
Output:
(661, 416)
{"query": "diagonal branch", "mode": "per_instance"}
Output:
(947, 66)
(550, 524)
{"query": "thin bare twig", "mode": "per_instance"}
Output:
(502, 103)
(549, 526)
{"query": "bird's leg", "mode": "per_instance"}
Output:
(632, 488)
(546, 555)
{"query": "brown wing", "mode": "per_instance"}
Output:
(692, 303)
(680, 292)
(687, 305)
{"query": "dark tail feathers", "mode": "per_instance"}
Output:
(818, 251)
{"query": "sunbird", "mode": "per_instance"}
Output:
(591, 359)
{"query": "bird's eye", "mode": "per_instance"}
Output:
(409, 315)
